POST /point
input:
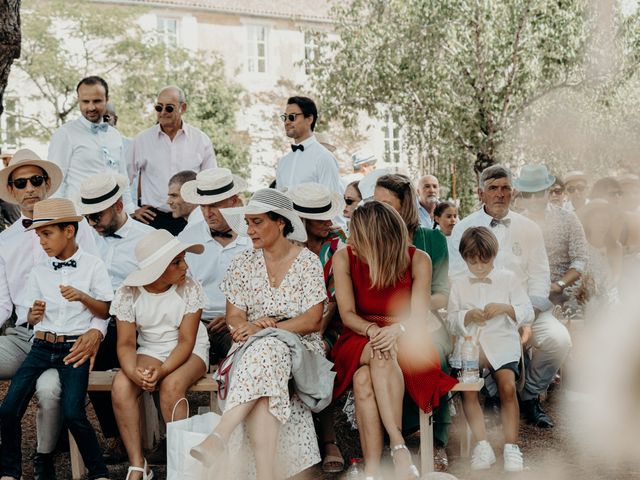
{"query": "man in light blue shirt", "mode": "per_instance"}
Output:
(428, 192)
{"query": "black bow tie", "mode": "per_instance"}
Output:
(297, 147)
(68, 263)
(495, 222)
(216, 233)
(486, 280)
(113, 235)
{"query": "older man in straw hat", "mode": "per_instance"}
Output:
(27, 180)
(214, 189)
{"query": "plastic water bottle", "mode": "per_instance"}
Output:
(354, 472)
(455, 360)
(470, 361)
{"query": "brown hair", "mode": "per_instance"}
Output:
(380, 238)
(401, 186)
(478, 242)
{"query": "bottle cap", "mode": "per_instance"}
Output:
(355, 460)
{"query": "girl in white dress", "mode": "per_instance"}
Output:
(163, 306)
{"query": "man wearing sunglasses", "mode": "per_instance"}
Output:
(308, 160)
(24, 182)
(88, 145)
(158, 153)
(577, 187)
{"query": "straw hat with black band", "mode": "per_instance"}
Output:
(211, 186)
(316, 202)
(99, 192)
(52, 211)
(24, 158)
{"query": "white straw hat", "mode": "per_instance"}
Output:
(315, 201)
(53, 210)
(23, 158)
(263, 201)
(211, 186)
(99, 192)
(154, 253)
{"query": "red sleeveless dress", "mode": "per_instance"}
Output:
(424, 380)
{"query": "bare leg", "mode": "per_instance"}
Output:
(327, 438)
(368, 417)
(475, 417)
(509, 410)
(175, 385)
(263, 429)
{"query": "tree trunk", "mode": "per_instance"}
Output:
(9, 41)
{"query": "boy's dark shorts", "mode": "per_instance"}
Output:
(513, 366)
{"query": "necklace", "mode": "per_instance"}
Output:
(276, 270)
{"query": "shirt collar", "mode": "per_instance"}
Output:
(184, 129)
(308, 142)
(124, 230)
(487, 218)
(87, 123)
(76, 256)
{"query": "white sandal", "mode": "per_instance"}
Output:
(411, 470)
(145, 475)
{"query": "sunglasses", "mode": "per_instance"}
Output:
(35, 180)
(94, 217)
(578, 188)
(532, 194)
(289, 116)
(556, 191)
(167, 108)
(349, 201)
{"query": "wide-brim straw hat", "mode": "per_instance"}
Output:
(575, 175)
(263, 201)
(154, 253)
(99, 192)
(533, 178)
(211, 186)
(52, 211)
(316, 202)
(23, 158)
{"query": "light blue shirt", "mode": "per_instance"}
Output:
(425, 218)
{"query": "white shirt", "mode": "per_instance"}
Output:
(118, 254)
(61, 316)
(424, 217)
(20, 251)
(521, 250)
(314, 164)
(210, 267)
(499, 336)
(195, 216)
(81, 153)
(157, 158)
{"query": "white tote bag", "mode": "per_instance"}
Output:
(182, 435)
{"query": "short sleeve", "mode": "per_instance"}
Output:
(122, 305)
(101, 288)
(313, 286)
(193, 295)
(235, 284)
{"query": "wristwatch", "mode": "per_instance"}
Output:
(562, 284)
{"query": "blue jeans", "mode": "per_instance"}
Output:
(74, 382)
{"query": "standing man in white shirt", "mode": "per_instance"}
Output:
(25, 181)
(189, 212)
(308, 160)
(428, 193)
(521, 250)
(88, 145)
(161, 151)
(214, 189)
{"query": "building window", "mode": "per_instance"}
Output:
(257, 49)
(311, 50)
(168, 31)
(392, 139)
(11, 118)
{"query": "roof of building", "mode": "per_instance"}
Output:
(307, 10)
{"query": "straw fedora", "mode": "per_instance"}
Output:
(154, 253)
(99, 192)
(533, 178)
(211, 186)
(325, 139)
(23, 158)
(263, 201)
(362, 157)
(316, 202)
(53, 210)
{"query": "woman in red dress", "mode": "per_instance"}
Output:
(382, 290)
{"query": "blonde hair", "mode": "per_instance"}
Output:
(380, 237)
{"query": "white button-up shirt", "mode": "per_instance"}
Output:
(521, 250)
(20, 251)
(61, 316)
(314, 164)
(210, 267)
(157, 159)
(118, 254)
(499, 336)
(195, 216)
(81, 153)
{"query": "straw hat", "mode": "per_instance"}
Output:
(99, 192)
(23, 158)
(154, 253)
(316, 202)
(211, 186)
(533, 178)
(263, 201)
(575, 175)
(53, 210)
(362, 157)
(325, 139)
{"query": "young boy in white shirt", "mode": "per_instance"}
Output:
(489, 306)
(71, 294)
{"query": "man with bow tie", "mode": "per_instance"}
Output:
(88, 145)
(308, 160)
(521, 250)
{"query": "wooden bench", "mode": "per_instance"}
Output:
(149, 427)
(426, 428)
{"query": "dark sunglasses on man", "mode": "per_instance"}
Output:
(289, 116)
(577, 188)
(94, 217)
(35, 180)
(167, 108)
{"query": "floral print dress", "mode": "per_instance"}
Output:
(264, 369)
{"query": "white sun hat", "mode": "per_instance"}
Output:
(263, 201)
(99, 192)
(154, 253)
(315, 201)
(211, 186)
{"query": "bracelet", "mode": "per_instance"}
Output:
(366, 330)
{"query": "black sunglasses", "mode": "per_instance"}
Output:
(94, 217)
(35, 180)
(167, 108)
(289, 116)
(349, 201)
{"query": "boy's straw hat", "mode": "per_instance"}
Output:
(52, 211)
